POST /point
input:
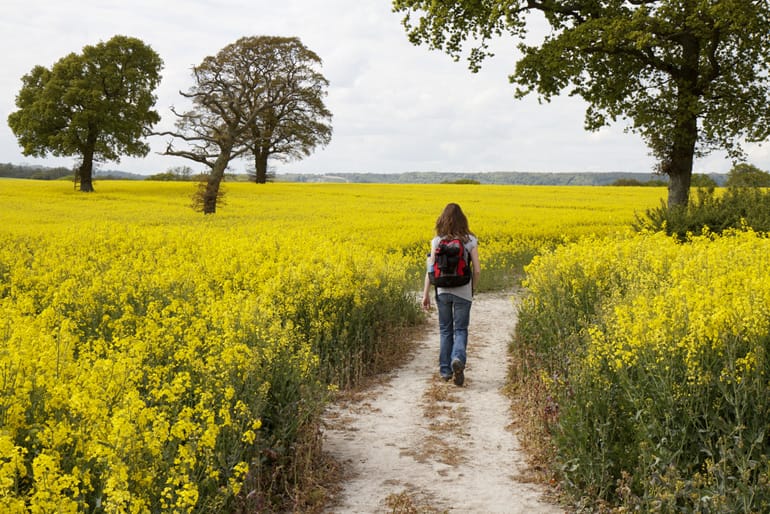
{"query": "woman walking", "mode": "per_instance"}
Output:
(453, 302)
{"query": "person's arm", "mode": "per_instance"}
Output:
(427, 284)
(426, 293)
(476, 267)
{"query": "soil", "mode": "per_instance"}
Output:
(413, 443)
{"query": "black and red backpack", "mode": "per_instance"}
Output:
(451, 264)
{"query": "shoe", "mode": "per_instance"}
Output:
(446, 378)
(458, 367)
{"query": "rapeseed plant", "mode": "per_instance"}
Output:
(658, 355)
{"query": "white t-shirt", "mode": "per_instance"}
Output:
(466, 291)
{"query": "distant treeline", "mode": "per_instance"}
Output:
(45, 173)
(497, 177)
(416, 177)
(33, 172)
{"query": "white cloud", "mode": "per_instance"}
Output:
(396, 107)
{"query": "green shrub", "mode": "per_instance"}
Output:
(708, 212)
(462, 181)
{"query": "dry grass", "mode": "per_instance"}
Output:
(440, 391)
(435, 447)
(305, 483)
(407, 502)
(447, 420)
(533, 412)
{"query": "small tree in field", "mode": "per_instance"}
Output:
(747, 175)
(258, 96)
(690, 76)
(702, 181)
(97, 105)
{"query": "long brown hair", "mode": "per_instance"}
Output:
(452, 223)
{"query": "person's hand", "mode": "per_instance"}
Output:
(426, 302)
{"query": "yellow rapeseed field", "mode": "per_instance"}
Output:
(155, 359)
(654, 360)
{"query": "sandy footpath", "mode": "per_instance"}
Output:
(418, 441)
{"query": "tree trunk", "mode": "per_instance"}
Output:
(680, 161)
(260, 166)
(211, 193)
(679, 189)
(86, 170)
(685, 135)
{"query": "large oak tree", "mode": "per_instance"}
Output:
(689, 76)
(261, 97)
(97, 105)
(294, 120)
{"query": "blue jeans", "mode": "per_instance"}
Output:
(453, 316)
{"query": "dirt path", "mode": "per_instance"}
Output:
(418, 444)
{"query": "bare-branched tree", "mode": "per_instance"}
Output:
(259, 96)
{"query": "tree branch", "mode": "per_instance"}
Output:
(550, 7)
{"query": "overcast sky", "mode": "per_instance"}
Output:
(396, 107)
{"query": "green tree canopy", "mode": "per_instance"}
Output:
(689, 76)
(260, 96)
(747, 175)
(97, 105)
